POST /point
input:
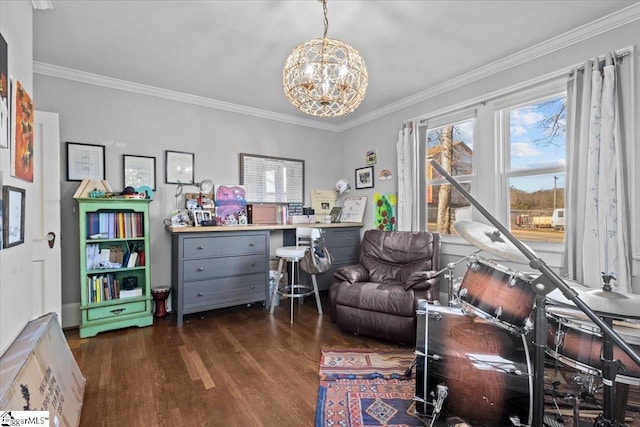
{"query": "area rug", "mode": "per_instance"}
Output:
(367, 388)
(361, 387)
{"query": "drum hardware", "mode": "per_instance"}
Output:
(544, 284)
(449, 276)
(441, 394)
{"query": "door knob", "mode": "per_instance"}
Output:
(51, 239)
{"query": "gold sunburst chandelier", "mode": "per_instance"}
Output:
(325, 77)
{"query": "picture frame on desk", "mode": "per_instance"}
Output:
(85, 161)
(200, 216)
(178, 167)
(13, 203)
(364, 177)
(139, 171)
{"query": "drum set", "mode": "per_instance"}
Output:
(481, 359)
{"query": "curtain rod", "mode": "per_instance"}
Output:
(616, 55)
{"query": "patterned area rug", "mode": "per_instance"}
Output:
(365, 388)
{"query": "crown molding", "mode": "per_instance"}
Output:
(127, 86)
(41, 4)
(615, 20)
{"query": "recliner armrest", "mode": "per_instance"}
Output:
(352, 274)
(421, 280)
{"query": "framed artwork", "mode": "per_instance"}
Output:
(271, 179)
(372, 157)
(85, 161)
(4, 93)
(22, 141)
(139, 171)
(364, 177)
(12, 216)
(200, 216)
(178, 167)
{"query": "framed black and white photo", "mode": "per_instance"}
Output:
(85, 161)
(139, 171)
(12, 216)
(364, 177)
(201, 215)
(178, 167)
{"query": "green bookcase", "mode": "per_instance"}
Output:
(111, 230)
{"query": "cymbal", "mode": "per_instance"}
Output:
(608, 303)
(489, 239)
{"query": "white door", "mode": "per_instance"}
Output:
(46, 262)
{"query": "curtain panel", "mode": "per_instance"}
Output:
(598, 236)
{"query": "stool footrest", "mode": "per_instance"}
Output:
(291, 291)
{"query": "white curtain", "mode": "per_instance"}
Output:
(408, 185)
(597, 236)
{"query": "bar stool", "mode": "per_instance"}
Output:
(305, 237)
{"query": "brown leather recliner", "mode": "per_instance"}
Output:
(378, 297)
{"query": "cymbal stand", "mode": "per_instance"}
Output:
(610, 368)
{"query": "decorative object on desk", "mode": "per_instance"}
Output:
(200, 216)
(353, 209)
(384, 211)
(317, 258)
(342, 186)
(22, 141)
(325, 77)
(364, 177)
(85, 161)
(204, 187)
(335, 214)
(178, 167)
(229, 200)
(139, 171)
(372, 157)
(4, 94)
(13, 215)
(385, 175)
(322, 201)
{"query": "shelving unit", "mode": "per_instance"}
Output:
(110, 231)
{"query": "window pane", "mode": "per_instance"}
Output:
(538, 134)
(537, 207)
(445, 204)
(451, 145)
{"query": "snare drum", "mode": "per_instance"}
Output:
(486, 369)
(576, 341)
(499, 294)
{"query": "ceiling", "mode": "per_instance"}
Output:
(230, 53)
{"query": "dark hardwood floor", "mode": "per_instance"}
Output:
(232, 367)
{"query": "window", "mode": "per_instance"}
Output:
(450, 144)
(534, 146)
(509, 153)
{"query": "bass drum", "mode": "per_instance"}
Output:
(486, 369)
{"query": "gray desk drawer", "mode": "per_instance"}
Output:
(205, 247)
(224, 292)
(208, 268)
(342, 238)
(344, 254)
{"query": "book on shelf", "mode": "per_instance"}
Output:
(133, 258)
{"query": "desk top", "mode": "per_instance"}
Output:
(250, 227)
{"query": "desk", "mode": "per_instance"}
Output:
(216, 267)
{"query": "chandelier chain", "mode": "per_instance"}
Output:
(326, 20)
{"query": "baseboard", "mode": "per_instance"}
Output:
(71, 315)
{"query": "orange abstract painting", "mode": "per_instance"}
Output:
(22, 166)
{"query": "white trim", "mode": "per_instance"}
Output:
(127, 86)
(579, 34)
(41, 4)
